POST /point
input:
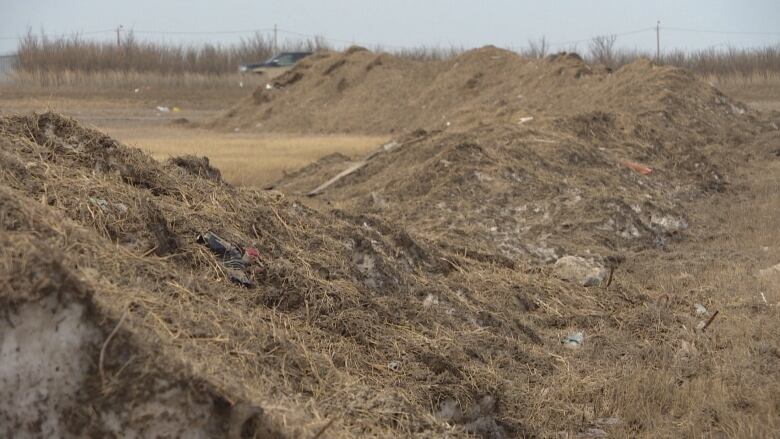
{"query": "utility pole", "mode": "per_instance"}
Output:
(658, 41)
(276, 48)
(119, 35)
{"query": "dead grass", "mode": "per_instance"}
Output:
(245, 159)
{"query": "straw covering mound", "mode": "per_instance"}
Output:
(524, 159)
(352, 325)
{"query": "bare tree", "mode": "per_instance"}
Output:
(602, 49)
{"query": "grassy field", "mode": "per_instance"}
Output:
(249, 159)
(244, 159)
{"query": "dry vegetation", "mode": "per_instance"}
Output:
(245, 159)
(49, 64)
(313, 349)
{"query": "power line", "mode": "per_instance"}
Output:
(722, 32)
(394, 46)
(69, 35)
(217, 32)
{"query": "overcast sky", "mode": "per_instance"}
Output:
(444, 23)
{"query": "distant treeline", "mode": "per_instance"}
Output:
(40, 54)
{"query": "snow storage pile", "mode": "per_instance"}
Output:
(125, 313)
(523, 159)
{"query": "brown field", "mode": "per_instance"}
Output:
(643, 372)
(249, 159)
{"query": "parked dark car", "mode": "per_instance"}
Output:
(276, 65)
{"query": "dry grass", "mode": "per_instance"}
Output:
(55, 55)
(245, 159)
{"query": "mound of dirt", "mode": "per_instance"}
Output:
(539, 158)
(365, 92)
(352, 325)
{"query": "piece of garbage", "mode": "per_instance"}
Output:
(99, 202)
(642, 169)
(236, 129)
(701, 311)
(269, 86)
(702, 326)
(393, 365)
(240, 263)
(163, 109)
(574, 340)
(608, 421)
(136, 90)
(390, 145)
(176, 109)
(525, 119)
(591, 433)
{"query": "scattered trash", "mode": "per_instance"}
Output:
(608, 421)
(241, 84)
(702, 326)
(101, 203)
(136, 90)
(236, 129)
(394, 366)
(269, 87)
(574, 340)
(390, 145)
(701, 311)
(764, 298)
(591, 433)
(105, 206)
(642, 169)
(176, 109)
(580, 270)
(163, 109)
(239, 262)
(525, 119)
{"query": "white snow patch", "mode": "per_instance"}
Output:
(45, 348)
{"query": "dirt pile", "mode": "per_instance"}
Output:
(543, 158)
(354, 325)
(366, 92)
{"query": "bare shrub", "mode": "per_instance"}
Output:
(602, 49)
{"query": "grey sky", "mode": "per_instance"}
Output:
(465, 23)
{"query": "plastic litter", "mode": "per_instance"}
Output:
(176, 109)
(642, 169)
(525, 119)
(240, 263)
(163, 109)
(105, 206)
(393, 365)
(574, 340)
(101, 203)
(701, 311)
